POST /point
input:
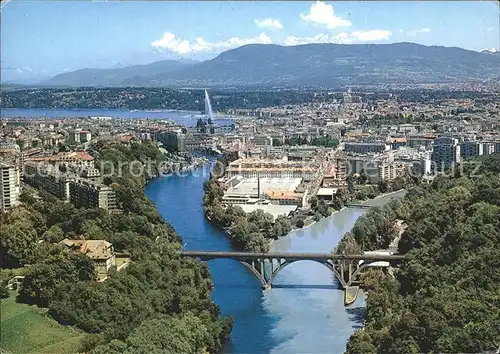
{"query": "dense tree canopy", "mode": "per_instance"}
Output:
(159, 297)
(446, 296)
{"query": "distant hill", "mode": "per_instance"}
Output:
(114, 77)
(331, 65)
(311, 65)
(491, 51)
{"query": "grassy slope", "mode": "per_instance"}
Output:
(27, 329)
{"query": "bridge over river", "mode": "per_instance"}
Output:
(265, 266)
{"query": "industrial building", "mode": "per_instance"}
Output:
(282, 168)
(278, 191)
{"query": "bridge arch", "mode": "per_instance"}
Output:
(327, 263)
(255, 272)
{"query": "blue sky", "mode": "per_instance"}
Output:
(46, 37)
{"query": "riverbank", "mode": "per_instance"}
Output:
(139, 230)
(303, 312)
(256, 232)
(453, 231)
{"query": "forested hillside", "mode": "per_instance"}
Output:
(446, 296)
(160, 303)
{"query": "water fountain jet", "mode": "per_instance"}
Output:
(208, 106)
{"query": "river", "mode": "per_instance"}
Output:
(304, 311)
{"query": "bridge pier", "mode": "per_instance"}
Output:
(350, 295)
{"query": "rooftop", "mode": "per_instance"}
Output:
(248, 186)
(274, 210)
(94, 249)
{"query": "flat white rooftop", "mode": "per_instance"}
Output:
(248, 186)
(327, 191)
(273, 209)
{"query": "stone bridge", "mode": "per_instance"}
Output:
(265, 266)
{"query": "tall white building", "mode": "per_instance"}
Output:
(9, 186)
(445, 154)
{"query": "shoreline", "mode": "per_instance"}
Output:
(294, 229)
(338, 211)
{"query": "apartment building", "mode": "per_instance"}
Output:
(471, 148)
(382, 168)
(490, 148)
(445, 154)
(174, 140)
(407, 129)
(89, 194)
(335, 173)
(49, 178)
(418, 141)
(261, 141)
(80, 136)
(9, 186)
(275, 150)
(365, 148)
(387, 171)
(77, 158)
(82, 192)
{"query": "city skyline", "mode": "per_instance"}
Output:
(40, 39)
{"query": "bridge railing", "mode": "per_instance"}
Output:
(290, 255)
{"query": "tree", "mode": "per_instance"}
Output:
(26, 197)
(281, 226)
(54, 276)
(314, 202)
(350, 185)
(383, 186)
(18, 242)
(54, 234)
(363, 178)
(62, 147)
(444, 296)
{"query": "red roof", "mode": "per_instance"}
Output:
(85, 155)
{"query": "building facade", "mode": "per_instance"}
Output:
(173, 140)
(445, 154)
(48, 178)
(9, 186)
(471, 148)
(364, 148)
(89, 194)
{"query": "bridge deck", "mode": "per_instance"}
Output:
(289, 255)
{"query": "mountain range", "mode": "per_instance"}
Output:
(310, 65)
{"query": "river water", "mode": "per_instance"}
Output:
(304, 311)
(187, 118)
